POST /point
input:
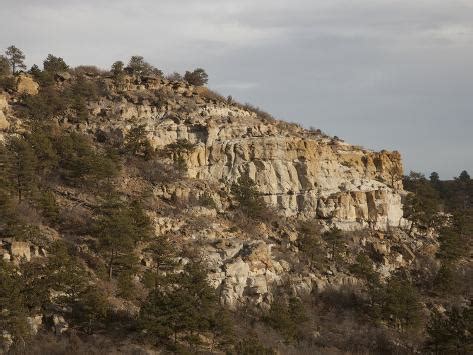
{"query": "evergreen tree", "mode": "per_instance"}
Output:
(464, 176)
(22, 166)
(335, 241)
(198, 77)
(310, 244)
(35, 71)
(140, 67)
(446, 281)
(452, 247)
(434, 178)
(89, 310)
(421, 207)
(186, 306)
(5, 68)
(137, 143)
(363, 268)
(118, 73)
(13, 311)
(47, 104)
(399, 302)
(16, 58)
(288, 317)
(47, 158)
(53, 64)
(452, 332)
(247, 195)
(162, 252)
(118, 229)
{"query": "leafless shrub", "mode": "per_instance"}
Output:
(74, 220)
(89, 70)
(211, 95)
(157, 172)
(28, 213)
(342, 298)
(174, 77)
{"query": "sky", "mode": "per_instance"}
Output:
(384, 74)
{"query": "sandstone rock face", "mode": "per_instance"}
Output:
(308, 178)
(302, 173)
(20, 250)
(63, 76)
(3, 103)
(4, 123)
(26, 85)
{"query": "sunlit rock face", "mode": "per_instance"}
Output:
(299, 172)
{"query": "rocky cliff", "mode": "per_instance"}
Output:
(299, 172)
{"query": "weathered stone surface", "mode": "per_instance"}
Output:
(3, 102)
(20, 250)
(63, 76)
(238, 269)
(26, 85)
(300, 173)
(4, 124)
(35, 322)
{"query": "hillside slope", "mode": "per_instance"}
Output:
(139, 177)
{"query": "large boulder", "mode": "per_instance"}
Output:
(63, 76)
(26, 85)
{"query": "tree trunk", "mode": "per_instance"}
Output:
(110, 266)
(411, 228)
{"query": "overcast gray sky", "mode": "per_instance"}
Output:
(379, 73)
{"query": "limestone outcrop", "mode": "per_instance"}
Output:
(300, 172)
(26, 85)
(4, 123)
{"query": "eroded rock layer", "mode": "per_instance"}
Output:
(300, 172)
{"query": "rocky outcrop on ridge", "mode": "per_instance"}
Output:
(299, 172)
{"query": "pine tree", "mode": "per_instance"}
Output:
(398, 301)
(247, 195)
(16, 58)
(452, 332)
(310, 244)
(464, 176)
(162, 252)
(421, 207)
(198, 77)
(185, 306)
(118, 73)
(119, 228)
(335, 241)
(5, 68)
(137, 143)
(22, 166)
(53, 64)
(140, 67)
(363, 268)
(13, 311)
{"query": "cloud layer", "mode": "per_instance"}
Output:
(381, 73)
